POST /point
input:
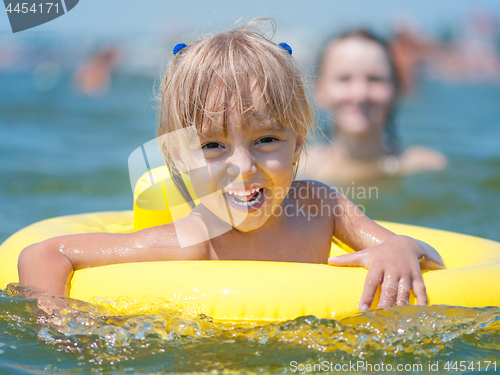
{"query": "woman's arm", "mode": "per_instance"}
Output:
(47, 266)
(394, 262)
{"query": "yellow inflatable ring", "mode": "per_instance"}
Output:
(259, 291)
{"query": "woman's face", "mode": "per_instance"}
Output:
(357, 83)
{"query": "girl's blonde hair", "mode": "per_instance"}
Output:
(233, 73)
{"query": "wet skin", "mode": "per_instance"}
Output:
(269, 226)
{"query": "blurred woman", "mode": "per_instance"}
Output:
(358, 85)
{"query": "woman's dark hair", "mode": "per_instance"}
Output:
(363, 34)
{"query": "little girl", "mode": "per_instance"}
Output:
(245, 98)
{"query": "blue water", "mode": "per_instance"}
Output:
(461, 121)
(62, 153)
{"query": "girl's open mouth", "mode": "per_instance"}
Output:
(246, 199)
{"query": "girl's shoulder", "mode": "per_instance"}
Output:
(311, 190)
(193, 230)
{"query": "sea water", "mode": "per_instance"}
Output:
(61, 154)
(89, 338)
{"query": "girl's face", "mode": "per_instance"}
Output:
(357, 84)
(251, 167)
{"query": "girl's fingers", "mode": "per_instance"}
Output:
(394, 289)
(348, 260)
(419, 290)
(372, 281)
(403, 292)
(388, 292)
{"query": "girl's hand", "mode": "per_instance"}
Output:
(395, 265)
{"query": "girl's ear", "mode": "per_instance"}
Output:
(299, 145)
(177, 159)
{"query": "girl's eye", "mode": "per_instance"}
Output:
(267, 140)
(343, 78)
(377, 79)
(211, 145)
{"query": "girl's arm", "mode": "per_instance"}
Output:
(393, 261)
(47, 266)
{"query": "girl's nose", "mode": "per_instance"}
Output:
(359, 91)
(241, 161)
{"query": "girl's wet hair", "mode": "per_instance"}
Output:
(392, 138)
(238, 75)
(234, 73)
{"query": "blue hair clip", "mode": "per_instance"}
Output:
(178, 47)
(286, 47)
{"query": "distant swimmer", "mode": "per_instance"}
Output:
(357, 84)
(94, 77)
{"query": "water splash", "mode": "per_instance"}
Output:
(417, 330)
(94, 337)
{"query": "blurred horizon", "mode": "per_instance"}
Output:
(146, 31)
(77, 98)
(119, 18)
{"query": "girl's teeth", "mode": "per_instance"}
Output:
(244, 204)
(244, 193)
